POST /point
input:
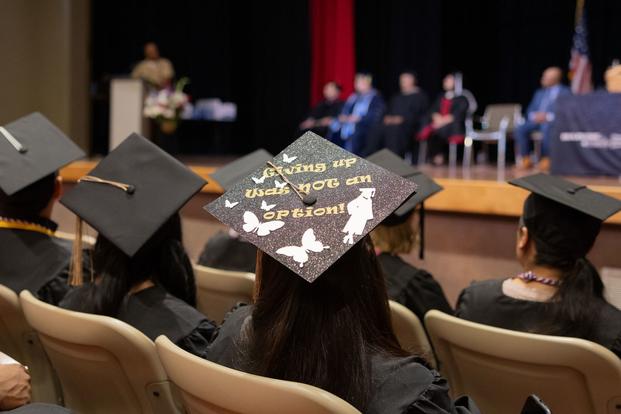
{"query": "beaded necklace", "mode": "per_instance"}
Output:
(531, 277)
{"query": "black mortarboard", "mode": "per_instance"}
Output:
(32, 148)
(575, 196)
(426, 188)
(310, 204)
(235, 171)
(132, 192)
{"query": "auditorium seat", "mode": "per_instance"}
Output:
(499, 368)
(209, 388)
(410, 332)
(217, 291)
(21, 342)
(104, 365)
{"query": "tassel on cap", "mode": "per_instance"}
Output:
(76, 276)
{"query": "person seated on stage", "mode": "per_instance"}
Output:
(32, 150)
(154, 69)
(612, 76)
(226, 250)
(361, 112)
(321, 314)
(325, 112)
(539, 117)
(447, 122)
(141, 273)
(414, 288)
(560, 291)
(402, 120)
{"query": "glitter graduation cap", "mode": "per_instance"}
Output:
(32, 148)
(572, 195)
(310, 204)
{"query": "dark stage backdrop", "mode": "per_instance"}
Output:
(257, 53)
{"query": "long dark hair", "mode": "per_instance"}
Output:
(162, 259)
(562, 238)
(323, 333)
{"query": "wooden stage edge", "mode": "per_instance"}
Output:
(486, 197)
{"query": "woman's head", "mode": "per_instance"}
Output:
(551, 234)
(555, 236)
(322, 333)
(397, 238)
(162, 259)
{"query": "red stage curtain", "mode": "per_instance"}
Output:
(332, 45)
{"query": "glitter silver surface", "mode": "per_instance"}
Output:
(391, 191)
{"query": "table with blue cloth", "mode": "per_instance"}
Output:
(586, 135)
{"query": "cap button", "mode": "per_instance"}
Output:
(309, 199)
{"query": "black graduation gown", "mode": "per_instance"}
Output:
(401, 385)
(414, 288)
(35, 261)
(484, 302)
(225, 252)
(155, 312)
(399, 138)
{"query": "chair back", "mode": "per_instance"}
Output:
(611, 277)
(502, 116)
(499, 368)
(217, 291)
(104, 365)
(21, 342)
(87, 241)
(209, 388)
(410, 332)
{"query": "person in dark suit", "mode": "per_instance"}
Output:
(539, 117)
(405, 112)
(447, 120)
(325, 112)
(362, 111)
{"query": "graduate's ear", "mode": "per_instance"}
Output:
(58, 188)
(522, 238)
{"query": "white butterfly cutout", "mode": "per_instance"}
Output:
(228, 204)
(253, 225)
(278, 184)
(300, 253)
(288, 159)
(266, 207)
(258, 180)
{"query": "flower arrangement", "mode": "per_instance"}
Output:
(166, 105)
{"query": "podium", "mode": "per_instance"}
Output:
(126, 104)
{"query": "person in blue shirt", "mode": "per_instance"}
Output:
(539, 118)
(361, 113)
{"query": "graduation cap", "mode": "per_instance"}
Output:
(32, 148)
(131, 193)
(426, 188)
(566, 217)
(575, 196)
(310, 204)
(233, 172)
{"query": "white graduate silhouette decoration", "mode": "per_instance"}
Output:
(360, 210)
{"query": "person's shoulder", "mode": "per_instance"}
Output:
(404, 384)
(63, 244)
(480, 293)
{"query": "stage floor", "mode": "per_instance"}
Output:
(481, 189)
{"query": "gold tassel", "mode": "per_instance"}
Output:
(76, 276)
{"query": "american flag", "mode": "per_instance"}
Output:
(580, 65)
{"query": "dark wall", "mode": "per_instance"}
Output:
(257, 53)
